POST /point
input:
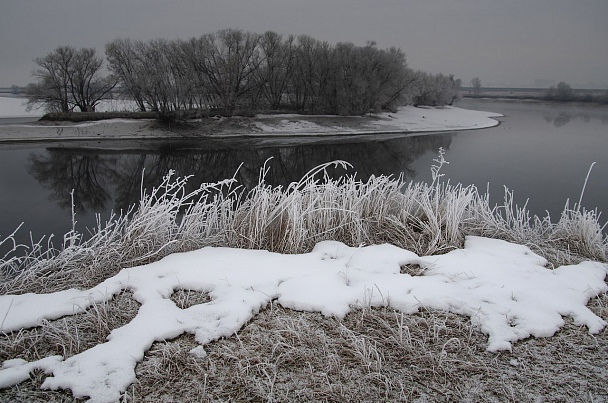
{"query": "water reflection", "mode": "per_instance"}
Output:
(564, 117)
(111, 179)
(62, 171)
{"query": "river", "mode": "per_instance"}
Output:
(541, 151)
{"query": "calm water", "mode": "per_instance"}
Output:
(541, 151)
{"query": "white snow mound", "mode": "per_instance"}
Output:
(504, 288)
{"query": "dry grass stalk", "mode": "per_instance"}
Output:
(373, 355)
(426, 219)
(66, 337)
(283, 355)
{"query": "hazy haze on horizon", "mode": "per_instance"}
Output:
(503, 43)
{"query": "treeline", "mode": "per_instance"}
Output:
(565, 93)
(232, 71)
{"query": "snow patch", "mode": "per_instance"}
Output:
(15, 107)
(503, 287)
(426, 119)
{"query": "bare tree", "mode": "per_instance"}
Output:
(434, 89)
(162, 90)
(564, 92)
(234, 69)
(52, 88)
(69, 78)
(127, 68)
(296, 86)
(87, 85)
(476, 84)
(195, 53)
(391, 78)
(275, 73)
(232, 59)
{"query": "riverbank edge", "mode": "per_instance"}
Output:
(410, 121)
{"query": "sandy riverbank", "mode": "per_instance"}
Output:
(408, 120)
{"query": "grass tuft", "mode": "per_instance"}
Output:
(425, 218)
(282, 355)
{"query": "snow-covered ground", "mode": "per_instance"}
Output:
(421, 119)
(15, 107)
(504, 288)
(407, 119)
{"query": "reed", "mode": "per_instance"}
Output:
(425, 218)
(286, 355)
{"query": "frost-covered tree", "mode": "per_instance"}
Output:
(434, 89)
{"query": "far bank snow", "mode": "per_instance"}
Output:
(16, 107)
(408, 120)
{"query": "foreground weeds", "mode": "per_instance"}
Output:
(283, 355)
(67, 336)
(373, 355)
(424, 218)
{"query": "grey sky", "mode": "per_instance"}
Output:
(503, 42)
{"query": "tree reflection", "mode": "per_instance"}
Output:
(87, 174)
(93, 174)
(565, 117)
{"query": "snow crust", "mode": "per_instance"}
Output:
(504, 288)
(407, 119)
(426, 119)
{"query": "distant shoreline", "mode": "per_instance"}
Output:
(596, 97)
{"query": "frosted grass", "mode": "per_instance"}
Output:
(428, 219)
(424, 218)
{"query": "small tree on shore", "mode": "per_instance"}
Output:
(434, 89)
(564, 92)
(69, 78)
(476, 84)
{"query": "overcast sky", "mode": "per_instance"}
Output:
(503, 42)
